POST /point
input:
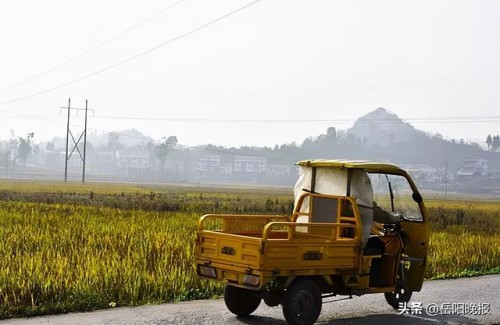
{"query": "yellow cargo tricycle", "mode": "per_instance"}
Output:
(358, 227)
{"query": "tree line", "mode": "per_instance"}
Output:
(17, 149)
(493, 142)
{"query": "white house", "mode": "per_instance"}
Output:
(474, 168)
(250, 164)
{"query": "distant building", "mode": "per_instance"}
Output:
(250, 164)
(420, 168)
(133, 159)
(423, 172)
(133, 163)
(178, 166)
(226, 164)
(278, 169)
(473, 168)
(209, 163)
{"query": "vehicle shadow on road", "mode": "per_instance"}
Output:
(378, 319)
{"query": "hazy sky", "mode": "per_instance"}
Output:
(275, 72)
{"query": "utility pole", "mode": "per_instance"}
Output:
(67, 140)
(85, 141)
(446, 179)
(75, 144)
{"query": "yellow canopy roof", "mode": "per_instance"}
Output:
(369, 166)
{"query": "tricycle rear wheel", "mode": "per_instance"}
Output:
(302, 302)
(241, 302)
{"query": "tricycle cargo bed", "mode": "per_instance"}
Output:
(238, 250)
(234, 239)
(276, 251)
(267, 246)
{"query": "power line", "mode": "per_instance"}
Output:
(430, 119)
(425, 119)
(134, 56)
(77, 56)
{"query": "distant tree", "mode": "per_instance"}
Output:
(438, 136)
(331, 134)
(49, 146)
(321, 138)
(307, 143)
(113, 141)
(495, 144)
(24, 149)
(489, 141)
(163, 148)
(12, 147)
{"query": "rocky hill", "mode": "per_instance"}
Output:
(382, 127)
(382, 135)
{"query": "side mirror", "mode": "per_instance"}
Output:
(417, 197)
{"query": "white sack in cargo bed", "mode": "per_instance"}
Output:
(333, 181)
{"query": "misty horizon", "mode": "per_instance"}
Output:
(100, 136)
(249, 73)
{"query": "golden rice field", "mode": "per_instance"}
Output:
(465, 238)
(84, 247)
(59, 257)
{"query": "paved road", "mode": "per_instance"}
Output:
(369, 309)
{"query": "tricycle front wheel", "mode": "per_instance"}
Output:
(401, 294)
(241, 302)
(397, 297)
(302, 302)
